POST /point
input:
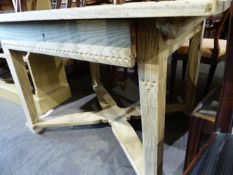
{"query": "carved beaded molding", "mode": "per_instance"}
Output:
(113, 60)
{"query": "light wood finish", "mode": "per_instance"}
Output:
(112, 45)
(117, 118)
(43, 104)
(2, 56)
(130, 142)
(95, 74)
(9, 92)
(152, 73)
(152, 67)
(152, 60)
(18, 71)
(112, 114)
(85, 118)
(193, 68)
(48, 76)
(105, 100)
(108, 38)
(49, 80)
(178, 8)
(174, 44)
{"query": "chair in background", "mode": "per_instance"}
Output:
(213, 51)
(216, 157)
(201, 123)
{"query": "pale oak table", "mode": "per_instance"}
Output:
(113, 35)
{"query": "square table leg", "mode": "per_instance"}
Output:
(152, 70)
(19, 74)
(193, 67)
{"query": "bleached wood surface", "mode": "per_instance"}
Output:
(110, 37)
(176, 8)
(100, 41)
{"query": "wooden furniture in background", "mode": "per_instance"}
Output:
(201, 123)
(213, 51)
(6, 6)
(94, 34)
(28, 5)
(216, 156)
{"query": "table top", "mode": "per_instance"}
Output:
(177, 8)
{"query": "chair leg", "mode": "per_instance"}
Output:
(125, 76)
(136, 69)
(112, 78)
(195, 130)
(184, 68)
(210, 78)
(172, 76)
(58, 4)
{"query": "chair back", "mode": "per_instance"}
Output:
(225, 111)
(214, 26)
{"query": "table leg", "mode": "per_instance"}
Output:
(193, 68)
(95, 74)
(152, 70)
(18, 71)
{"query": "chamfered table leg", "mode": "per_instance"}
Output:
(193, 68)
(19, 74)
(152, 70)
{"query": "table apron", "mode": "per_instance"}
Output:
(99, 41)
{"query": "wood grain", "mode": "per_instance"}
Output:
(172, 28)
(152, 67)
(18, 71)
(47, 73)
(104, 98)
(127, 10)
(85, 118)
(95, 74)
(130, 143)
(193, 67)
(9, 92)
(100, 41)
(174, 44)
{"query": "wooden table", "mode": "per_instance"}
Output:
(113, 35)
